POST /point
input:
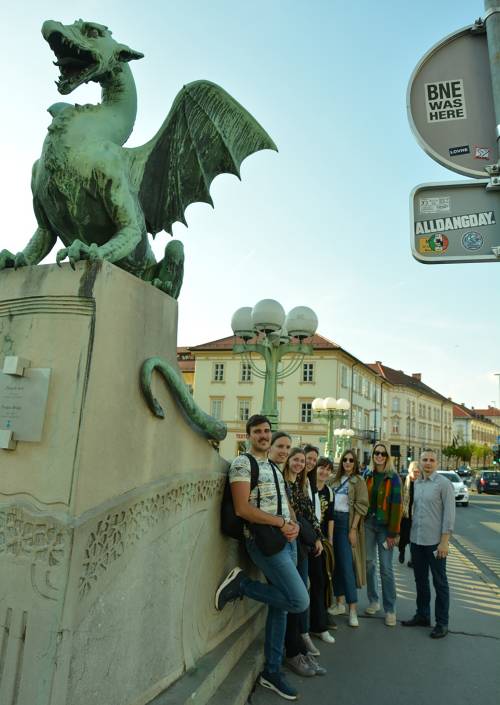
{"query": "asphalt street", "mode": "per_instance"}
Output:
(376, 665)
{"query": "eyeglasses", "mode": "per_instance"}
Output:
(380, 452)
(348, 460)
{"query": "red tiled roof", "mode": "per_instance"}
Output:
(318, 342)
(398, 377)
(490, 411)
(186, 365)
(461, 411)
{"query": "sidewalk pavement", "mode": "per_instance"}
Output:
(377, 665)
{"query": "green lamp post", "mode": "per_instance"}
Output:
(274, 333)
(335, 413)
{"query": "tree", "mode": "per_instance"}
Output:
(449, 452)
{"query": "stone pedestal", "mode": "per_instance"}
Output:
(110, 550)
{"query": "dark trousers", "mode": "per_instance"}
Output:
(423, 559)
(317, 606)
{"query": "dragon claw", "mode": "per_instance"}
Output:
(77, 251)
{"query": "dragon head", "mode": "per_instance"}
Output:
(85, 51)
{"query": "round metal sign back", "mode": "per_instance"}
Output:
(450, 104)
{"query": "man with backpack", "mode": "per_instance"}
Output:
(269, 535)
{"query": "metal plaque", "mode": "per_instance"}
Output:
(450, 104)
(454, 221)
(22, 403)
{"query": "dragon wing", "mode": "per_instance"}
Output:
(206, 133)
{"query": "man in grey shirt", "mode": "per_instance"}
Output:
(433, 520)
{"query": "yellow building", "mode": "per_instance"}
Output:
(470, 426)
(419, 417)
(227, 388)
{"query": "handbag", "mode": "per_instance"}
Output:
(307, 534)
(269, 539)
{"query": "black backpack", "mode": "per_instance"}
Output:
(232, 525)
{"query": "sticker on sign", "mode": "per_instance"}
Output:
(434, 205)
(455, 222)
(445, 101)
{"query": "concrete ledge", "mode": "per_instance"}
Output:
(226, 674)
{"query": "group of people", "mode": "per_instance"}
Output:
(317, 534)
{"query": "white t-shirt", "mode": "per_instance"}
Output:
(342, 496)
(240, 471)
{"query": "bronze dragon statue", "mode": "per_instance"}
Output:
(101, 199)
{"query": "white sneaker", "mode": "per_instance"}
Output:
(390, 619)
(340, 608)
(353, 619)
(308, 643)
(324, 636)
(372, 608)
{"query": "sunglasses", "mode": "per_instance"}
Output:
(380, 452)
(348, 460)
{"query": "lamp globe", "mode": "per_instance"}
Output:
(241, 323)
(343, 404)
(318, 404)
(268, 316)
(330, 404)
(301, 322)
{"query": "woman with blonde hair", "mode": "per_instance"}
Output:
(407, 493)
(351, 506)
(382, 531)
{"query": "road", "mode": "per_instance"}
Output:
(375, 664)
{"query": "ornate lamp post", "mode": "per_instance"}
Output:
(334, 410)
(274, 331)
(344, 436)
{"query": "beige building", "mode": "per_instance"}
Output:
(491, 413)
(418, 416)
(384, 403)
(471, 426)
(227, 387)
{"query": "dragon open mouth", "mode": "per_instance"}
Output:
(76, 64)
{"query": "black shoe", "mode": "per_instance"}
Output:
(439, 632)
(229, 589)
(416, 621)
(409, 564)
(401, 558)
(276, 682)
(332, 624)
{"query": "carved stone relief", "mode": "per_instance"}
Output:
(123, 528)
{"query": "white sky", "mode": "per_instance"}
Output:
(323, 223)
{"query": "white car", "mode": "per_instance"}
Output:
(461, 489)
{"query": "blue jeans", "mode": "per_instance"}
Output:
(285, 592)
(375, 535)
(423, 558)
(344, 580)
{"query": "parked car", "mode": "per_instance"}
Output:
(461, 491)
(488, 481)
(464, 471)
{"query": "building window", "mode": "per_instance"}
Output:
(395, 404)
(368, 389)
(395, 426)
(364, 387)
(216, 408)
(343, 376)
(243, 409)
(308, 372)
(306, 412)
(218, 372)
(245, 372)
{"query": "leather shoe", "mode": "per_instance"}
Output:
(439, 632)
(416, 621)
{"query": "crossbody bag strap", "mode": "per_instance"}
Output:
(278, 492)
(254, 476)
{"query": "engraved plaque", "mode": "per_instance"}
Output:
(22, 403)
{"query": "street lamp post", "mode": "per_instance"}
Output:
(274, 330)
(344, 436)
(334, 410)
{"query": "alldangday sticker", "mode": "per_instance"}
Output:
(457, 222)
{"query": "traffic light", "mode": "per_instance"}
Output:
(409, 454)
(496, 455)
